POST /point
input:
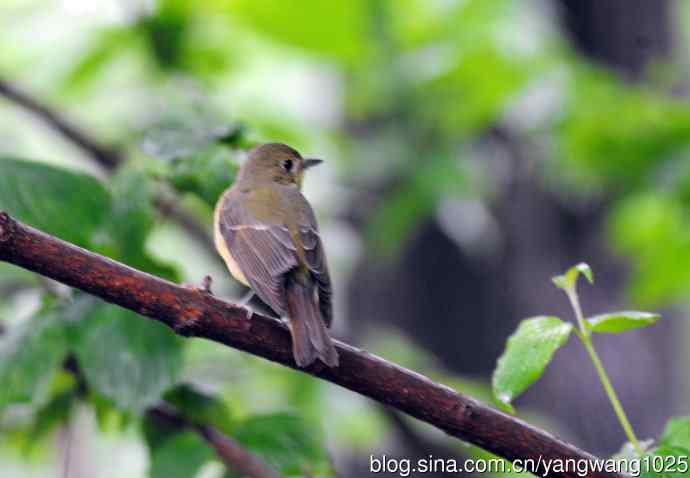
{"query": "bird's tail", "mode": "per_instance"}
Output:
(310, 339)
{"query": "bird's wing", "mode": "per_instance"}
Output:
(262, 258)
(320, 269)
(265, 252)
(315, 256)
(315, 259)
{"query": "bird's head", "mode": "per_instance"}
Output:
(275, 162)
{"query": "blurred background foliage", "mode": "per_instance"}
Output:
(473, 149)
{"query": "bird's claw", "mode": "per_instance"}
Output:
(205, 286)
(243, 303)
(248, 310)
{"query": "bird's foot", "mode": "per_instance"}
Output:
(248, 310)
(206, 284)
(243, 303)
(205, 287)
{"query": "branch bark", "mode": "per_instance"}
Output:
(193, 313)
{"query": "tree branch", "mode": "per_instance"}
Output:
(233, 455)
(105, 156)
(193, 313)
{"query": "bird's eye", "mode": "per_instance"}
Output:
(287, 165)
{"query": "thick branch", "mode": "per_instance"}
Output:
(234, 455)
(192, 313)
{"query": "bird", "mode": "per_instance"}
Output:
(266, 232)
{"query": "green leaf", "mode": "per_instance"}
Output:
(176, 42)
(650, 128)
(180, 457)
(478, 103)
(55, 412)
(167, 31)
(194, 149)
(629, 451)
(77, 208)
(131, 220)
(195, 406)
(105, 47)
(339, 30)
(527, 353)
(126, 358)
(567, 281)
(157, 432)
(666, 462)
(677, 432)
(187, 132)
(206, 173)
(288, 443)
(584, 269)
(30, 355)
(638, 224)
(414, 200)
(132, 215)
(616, 322)
(200, 407)
(67, 204)
(669, 459)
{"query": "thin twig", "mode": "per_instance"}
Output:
(105, 156)
(193, 313)
(233, 455)
(67, 450)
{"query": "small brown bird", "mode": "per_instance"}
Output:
(266, 232)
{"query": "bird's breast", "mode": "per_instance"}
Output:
(222, 247)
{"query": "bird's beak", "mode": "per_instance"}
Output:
(309, 162)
